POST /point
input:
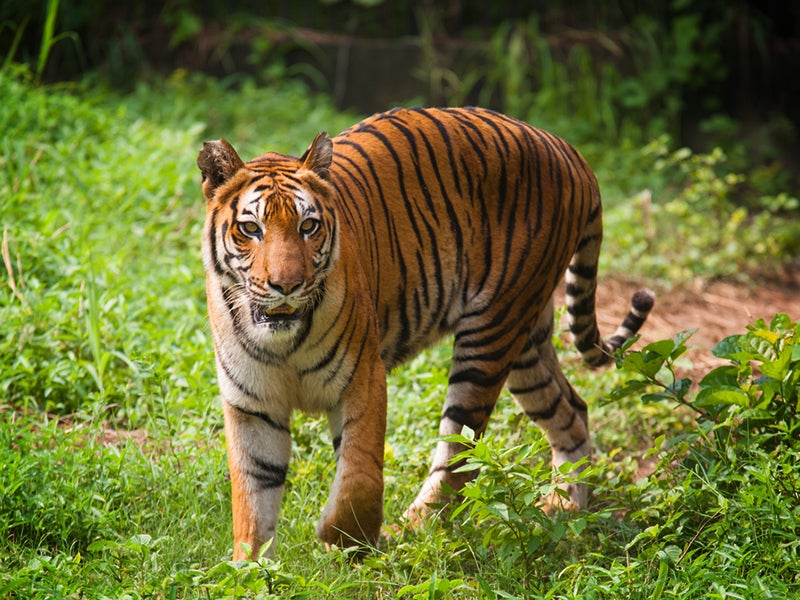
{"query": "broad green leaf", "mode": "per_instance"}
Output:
(628, 388)
(759, 345)
(498, 509)
(662, 348)
(721, 376)
(680, 338)
(681, 387)
(770, 336)
(721, 396)
(781, 322)
(638, 362)
(727, 347)
(671, 554)
(777, 369)
(657, 397)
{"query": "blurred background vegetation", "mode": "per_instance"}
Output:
(706, 72)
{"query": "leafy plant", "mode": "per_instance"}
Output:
(501, 510)
(728, 490)
(690, 191)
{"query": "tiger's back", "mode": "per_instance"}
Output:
(452, 212)
(327, 270)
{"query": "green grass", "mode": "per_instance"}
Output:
(114, 475)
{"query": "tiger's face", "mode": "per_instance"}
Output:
(270, 242)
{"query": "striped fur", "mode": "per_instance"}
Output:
(326, 271)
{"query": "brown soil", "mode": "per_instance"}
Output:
(716, 309)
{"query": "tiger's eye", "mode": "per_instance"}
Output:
(309, 226)
(250, 228)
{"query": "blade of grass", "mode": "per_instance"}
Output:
(12, 50)
(47, 37)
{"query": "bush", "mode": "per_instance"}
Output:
(726, 496)
(695, 198)
(720, 512)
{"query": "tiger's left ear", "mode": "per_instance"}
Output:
(218, 162)
(319, 155)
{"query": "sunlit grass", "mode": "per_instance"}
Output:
(114, 474)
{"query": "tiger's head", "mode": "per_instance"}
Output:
(270, 237)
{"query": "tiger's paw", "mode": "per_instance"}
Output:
(569, 497)
(344, 525)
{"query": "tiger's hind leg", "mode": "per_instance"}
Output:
(476, 377)
(539, 386)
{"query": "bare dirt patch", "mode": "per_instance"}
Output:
(716, 309)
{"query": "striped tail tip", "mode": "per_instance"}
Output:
(641, 305)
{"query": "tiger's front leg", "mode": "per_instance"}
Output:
(354, 513)
(259, 446)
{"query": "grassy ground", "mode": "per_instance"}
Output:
(114, 480)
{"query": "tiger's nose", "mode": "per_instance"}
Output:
(285, 287)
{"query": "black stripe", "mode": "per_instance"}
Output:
(471, 417)
(263, 416)
(542, 334)
(576, 402)
(616, 341)
(586, 344)
(395, 249)
(587, 239)
(595, 212)
(340, 349)
(572, 418)
(238, 384)
(584, 271)
(520, 365)
(582, 307)
(633, 322)
(575, 290)
(335, 346)
(487, 356)
(252, 349)
(539, 385)
(356, 361)
(212, 238)
(477, 377)
(570, 449)
(546, 414)
(268, 475)
(578, 330)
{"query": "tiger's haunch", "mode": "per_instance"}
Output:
(325, 271)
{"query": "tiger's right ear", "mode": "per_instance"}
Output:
(319, 155)
(218, 162)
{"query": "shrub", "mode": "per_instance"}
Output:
(726, 495)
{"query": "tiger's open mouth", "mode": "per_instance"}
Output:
(277, 315)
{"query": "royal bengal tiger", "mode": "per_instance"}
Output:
(326, 271)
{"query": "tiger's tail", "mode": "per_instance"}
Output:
(581, 280)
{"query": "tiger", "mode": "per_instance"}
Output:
(326, 271)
